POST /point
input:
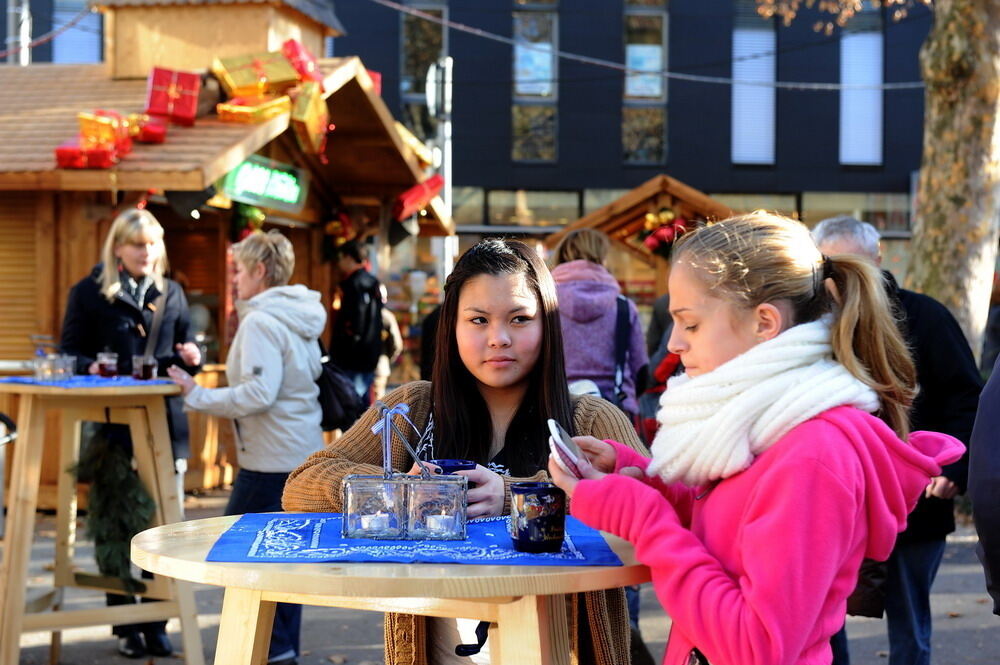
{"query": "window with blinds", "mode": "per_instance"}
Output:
(753, 116)
(82, 42)
(19, 275)
(861, 63)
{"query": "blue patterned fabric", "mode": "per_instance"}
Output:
(305, 537)
(87, 381)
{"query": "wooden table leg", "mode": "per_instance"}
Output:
(69, 457)
(22, 501)
(244, 628)
(531, 631)
(151, 447)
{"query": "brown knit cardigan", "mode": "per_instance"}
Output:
(599, 630)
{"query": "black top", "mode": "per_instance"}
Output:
(93, 324)
(984, 483)
(357, 332)
(949, 385)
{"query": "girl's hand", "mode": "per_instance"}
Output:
(181, 378)
(92, 368)
(568, 482)
(189, 353)
(601, 455)
(486, 499)
(415, 469)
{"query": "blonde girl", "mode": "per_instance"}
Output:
(771, 477)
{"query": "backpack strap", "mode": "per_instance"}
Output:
(622, 333)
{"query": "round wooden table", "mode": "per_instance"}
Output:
(524, 602)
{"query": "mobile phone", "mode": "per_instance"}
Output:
(567, 454)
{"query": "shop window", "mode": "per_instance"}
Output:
(82, 42)
(861, 110)
(644, 134)
(533, 113)
(888, 212)
(753, 105)
(784, 204)
(533, 208)
(598, 198)
(644, 116)
(467, 205)
(534, 133)
(423, 43)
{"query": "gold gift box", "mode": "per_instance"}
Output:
(255, 74)
(310, 118)
(253, 109)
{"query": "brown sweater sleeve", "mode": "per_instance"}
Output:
(315, 485)
(601, 419)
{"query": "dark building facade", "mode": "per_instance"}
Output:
(540, 139)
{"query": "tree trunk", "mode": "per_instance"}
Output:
(957, 226)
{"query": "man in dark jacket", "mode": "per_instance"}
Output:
(984, 483)
(357, 330)
(949, 386)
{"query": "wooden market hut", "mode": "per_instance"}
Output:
(624, 218)
(52, 221)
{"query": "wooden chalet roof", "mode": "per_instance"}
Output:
(366, 153)
(320, 11)
(624, 217)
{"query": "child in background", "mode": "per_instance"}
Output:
(770, 478)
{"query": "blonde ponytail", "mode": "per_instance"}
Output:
(866, 338)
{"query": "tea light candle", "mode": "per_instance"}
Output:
(440, 523)
(376, 522)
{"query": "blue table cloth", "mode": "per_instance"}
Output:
(315, 537)
(87, 381)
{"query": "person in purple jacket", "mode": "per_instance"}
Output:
(588, 309)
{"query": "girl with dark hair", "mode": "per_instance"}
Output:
(497, 377)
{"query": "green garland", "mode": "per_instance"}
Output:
(119, 506)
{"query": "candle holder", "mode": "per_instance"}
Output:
(399, 506)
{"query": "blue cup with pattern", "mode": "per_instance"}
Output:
(537, 517)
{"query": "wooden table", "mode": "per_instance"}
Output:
(523, 602)
(143, 409)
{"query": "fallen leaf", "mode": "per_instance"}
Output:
(337, 659)
(882, 654)
(954, 615)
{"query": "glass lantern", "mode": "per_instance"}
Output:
(375, 507)
(436, 508)
(397, 506)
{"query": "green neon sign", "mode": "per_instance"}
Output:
(269, 184)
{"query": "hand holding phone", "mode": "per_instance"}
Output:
(566, 453)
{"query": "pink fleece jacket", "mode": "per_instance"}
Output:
(756, 570)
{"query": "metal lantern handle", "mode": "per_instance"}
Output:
(385, 426)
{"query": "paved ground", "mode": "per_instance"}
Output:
(965, 631)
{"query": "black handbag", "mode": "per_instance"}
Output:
(868, 597)
(341, 406)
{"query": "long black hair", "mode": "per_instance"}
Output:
(463, 428)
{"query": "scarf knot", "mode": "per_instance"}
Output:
(714, 425)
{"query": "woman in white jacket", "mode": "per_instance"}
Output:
(272, 396)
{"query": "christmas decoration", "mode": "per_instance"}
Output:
(417, 197)
(376, 78)
(311, 119)
(303, 61)
(661, 229)
(79, 154)
(255, 74)
(105, 128)
(146, 128)
(253, 108)
(247, 219)
(173, 95)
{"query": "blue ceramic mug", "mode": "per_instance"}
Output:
(537, 517)
(450, 466)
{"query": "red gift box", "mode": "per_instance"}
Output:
(75, 154)
(303, 61)
(173, 95)
(417, 197)
(153, 130)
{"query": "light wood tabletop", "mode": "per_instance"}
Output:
(524, 601)
(109, 390)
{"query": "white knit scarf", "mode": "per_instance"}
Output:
(714, 425)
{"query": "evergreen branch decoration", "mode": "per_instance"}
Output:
(119, 506)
